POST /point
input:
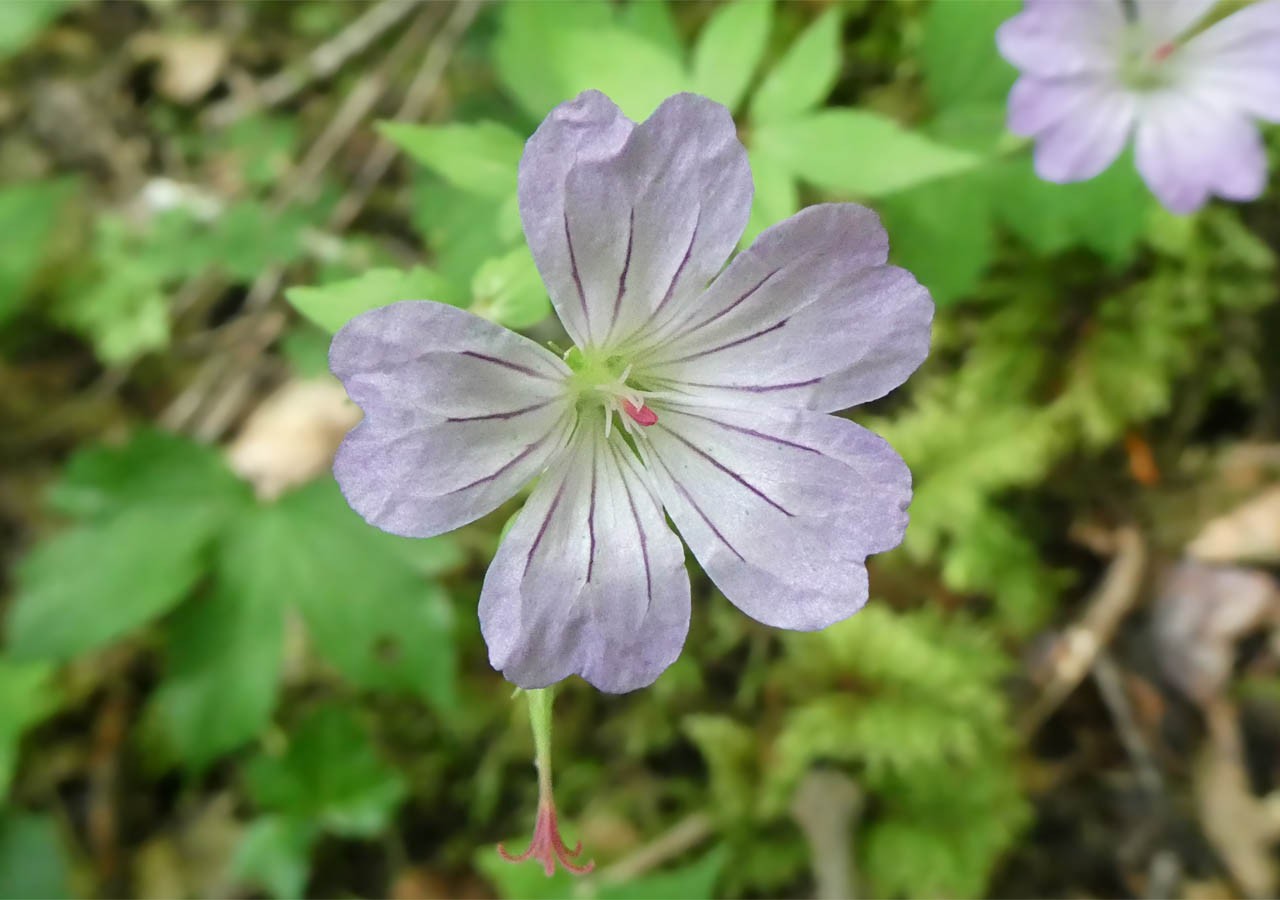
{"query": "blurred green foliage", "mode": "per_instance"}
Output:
(332, 677)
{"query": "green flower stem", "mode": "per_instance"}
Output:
(540, 702)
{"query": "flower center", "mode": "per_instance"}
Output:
(1143, 67)
(600, 384)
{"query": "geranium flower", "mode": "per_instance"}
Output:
(1096, 71)
(706, 401)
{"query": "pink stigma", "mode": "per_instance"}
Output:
(1163, 52)
(642, 414)
(547, 847)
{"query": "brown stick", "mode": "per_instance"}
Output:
(1082, 642)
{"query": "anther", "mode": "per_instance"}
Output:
(641, 415)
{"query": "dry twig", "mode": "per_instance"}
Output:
(1080, 645)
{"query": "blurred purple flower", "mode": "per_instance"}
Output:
(1095, 71)
(721, 391)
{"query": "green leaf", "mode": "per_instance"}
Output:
(224, 656)
(463, 232)
(508, 290)
(729, 749)
(20, 23)
(124, 314)
(27, 698)
(94, 583)
(28, 214)
(33, 858)
(858, 152)
(479, 156)
(153, 468)
(525, 48)
(654, 23)
(367, 607)
(333, 305)
(777, 195)
(697, 879)
(1107, 214)
(805, 75)
(729, 50)
(331, 775)
(275, 853)
(958, 52)
(634, 73)
(941, 232)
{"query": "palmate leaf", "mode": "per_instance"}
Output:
(729, 49)
(97, 582)
(329, 775)
(858, 152)
(480, 157)
(367, 607)
(805, 74)
(275, 853)
(332, 305)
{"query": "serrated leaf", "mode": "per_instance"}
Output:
(462, 230)
(28, 214)
(1107, 214)
(729, 49)
(508, 290)
(526, 44)
(366, 605)
(225, 654)
(858, 152)
(27, 697)
(805, 74)
(654, 23)
(151, 468)
(481, 157)
(331, 775)
(96, 582)
(958, 52)
(33, 858)
(777, 195)
(634, 73)
(275, 853)
(333, 305)
(941, 232)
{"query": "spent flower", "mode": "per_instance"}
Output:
(690, 392)
(1095, 72)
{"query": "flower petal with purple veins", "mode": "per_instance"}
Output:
(590, 580)
(459, 414)
(781, 507)
(643, 228)
(808, 316)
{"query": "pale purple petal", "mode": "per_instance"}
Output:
(459, 414)
(1189, 147)
(1166, 20)
(590, 580)
(1036, 104)
(808, 316)
(781, 507)
(1088, 137)
(634, 226)
(1060, 38)
(589, 127)
(1237, 61)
